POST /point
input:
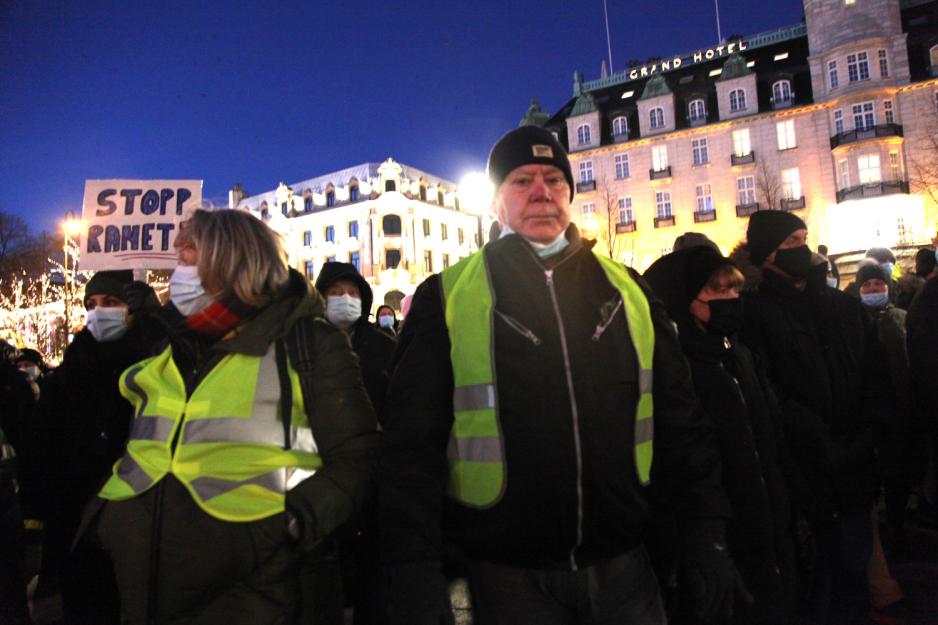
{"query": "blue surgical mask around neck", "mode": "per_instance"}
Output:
(546, 250)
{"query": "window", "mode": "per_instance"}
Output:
(858, 67)
(353, 193)
(741, 145)
(622, 166)
(849, 2)
(310, 272)
(659, 157)
(625, 210)
(868, 166)
(844, 169)
(330, 198)
(697, 110)
(440, 197)
(781, 91)
(308, 204)
(620, 127)
(426, 227)
(330, 259)
(933, 58)
(307, 238)
(704, 199)
(390, 185)
(586, 171)
(890, 114)
(832, 74)
(863, 116)
(894, 165)
(391, 224)
(353, 229)
(356, 259)
(428, 261)
(445, 261)
(583, 134)
(657, 117)
(838, 121)
(589, 208)
(883, 64)
(700, 151)
(330, 234)
(737, 100)
(423, 193)
(284, 208)
(444, 232)
(786, 134)
(663, 204)
(392, 258)
(746, 190)
(791, 184)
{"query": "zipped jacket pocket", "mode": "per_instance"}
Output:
(518, 327)
(606, 319)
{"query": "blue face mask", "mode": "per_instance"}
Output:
(386, 321)
(875, 300)
(546, 250)
(343, 310)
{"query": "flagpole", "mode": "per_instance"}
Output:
(608, 38)
(716, 3)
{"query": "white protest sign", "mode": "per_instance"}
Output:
(131, 224)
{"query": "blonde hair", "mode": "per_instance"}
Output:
(239, 251)
(732, 275)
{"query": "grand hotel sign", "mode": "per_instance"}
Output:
(699, 56)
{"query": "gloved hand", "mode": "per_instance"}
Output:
(140, 298)
(713, 580)
(416, 594)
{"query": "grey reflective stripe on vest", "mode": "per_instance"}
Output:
(645, 379)
(208, 487)
(475, 449)
(644, 430)
(475, 397)
(151, 429)
(133, 474)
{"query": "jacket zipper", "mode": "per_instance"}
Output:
(601, 327)
(549, 273)
(516, 325)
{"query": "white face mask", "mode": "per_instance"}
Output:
(343, 310)
(832, 282)
(186, 292)
(107, 324)
(386, 321)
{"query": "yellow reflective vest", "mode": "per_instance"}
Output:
(476, 448)
(230, 450)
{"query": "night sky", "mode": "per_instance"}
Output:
(259, 92)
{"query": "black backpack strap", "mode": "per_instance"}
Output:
(300, 348)
(286, 393)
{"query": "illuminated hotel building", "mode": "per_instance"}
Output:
(834, 119)
(396, 224)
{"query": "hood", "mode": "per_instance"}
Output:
(333, 272)
(677, 278)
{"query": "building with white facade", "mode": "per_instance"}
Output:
(396, 224)
(835, 119)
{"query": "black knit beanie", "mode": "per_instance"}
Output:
(767, 230)
(702, 263)
(109, 283)
(871, 272)
(528, 145)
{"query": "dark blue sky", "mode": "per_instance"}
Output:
(259, 92)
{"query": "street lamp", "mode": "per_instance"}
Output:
(475, 194)
(70, 227)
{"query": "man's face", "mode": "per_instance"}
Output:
(795, 239)
(534, 201)
(343, 287)
(873, 285)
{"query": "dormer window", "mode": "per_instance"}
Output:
(308, 204)
(737, 100)
(697, 110)
(656, 117)
(390, 185)
(781, 91)
(353, 193)
(330, 198)
(620, 127)
(440, 197)
(583, 135)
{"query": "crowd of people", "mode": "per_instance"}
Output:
(715, 441)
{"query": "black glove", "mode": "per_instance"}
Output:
(141, 298)
(713, 580)
(417, 594)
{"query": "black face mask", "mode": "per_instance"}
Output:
(795, 261)
(726, 316)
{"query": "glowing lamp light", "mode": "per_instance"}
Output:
(476, 192)
(72, 226)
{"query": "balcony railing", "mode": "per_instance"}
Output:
(703, 216)
(873, 189)
(658, 174)
(783, 103)
(664, 222)
(744, 210)
(583, 187)
(862, 134)
(743, 159)
(790, 204)
(626, 226)
(622, 137)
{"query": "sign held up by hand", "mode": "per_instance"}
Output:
(132, 224)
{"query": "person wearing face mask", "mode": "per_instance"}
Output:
(700, 289)
(815, 342)
(386, 320)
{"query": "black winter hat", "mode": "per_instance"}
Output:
(767, 230)
(678, 277)
(528, 145)
(871, 272)
(109, 283)
(333, 272)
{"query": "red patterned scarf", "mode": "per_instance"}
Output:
(219, 317)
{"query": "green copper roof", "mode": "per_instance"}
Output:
(734, 67)
(655, 87)
(585, 103)
(536, 116)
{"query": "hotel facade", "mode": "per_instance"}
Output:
(835, 119)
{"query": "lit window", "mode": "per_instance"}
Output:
(657, 117)
(589, 209)
(883, 65)
(659, 157)
(356, 260)
(894, 165)
(737, 100)
(780, 56)
(627, 94)
(353, 229)
(858, 67)
(741, 145)
(700, 152)
(307, 238)
(864, 118)
(330, 234)
(781, 91)
(704, 199)
(583, 136)
(786, 134)
(715, 72)
(832, 74)
(622, 166)
(625, 210)
(586, 171)
(838, 121)
(697, 110)
(868, 166)
(791, 184)
(850, 2)
(746, 190)
(751, 64)
(844, 169)
(663, 204)
(890, 114)
(620, 127)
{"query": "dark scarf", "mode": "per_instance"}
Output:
(219, 317)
